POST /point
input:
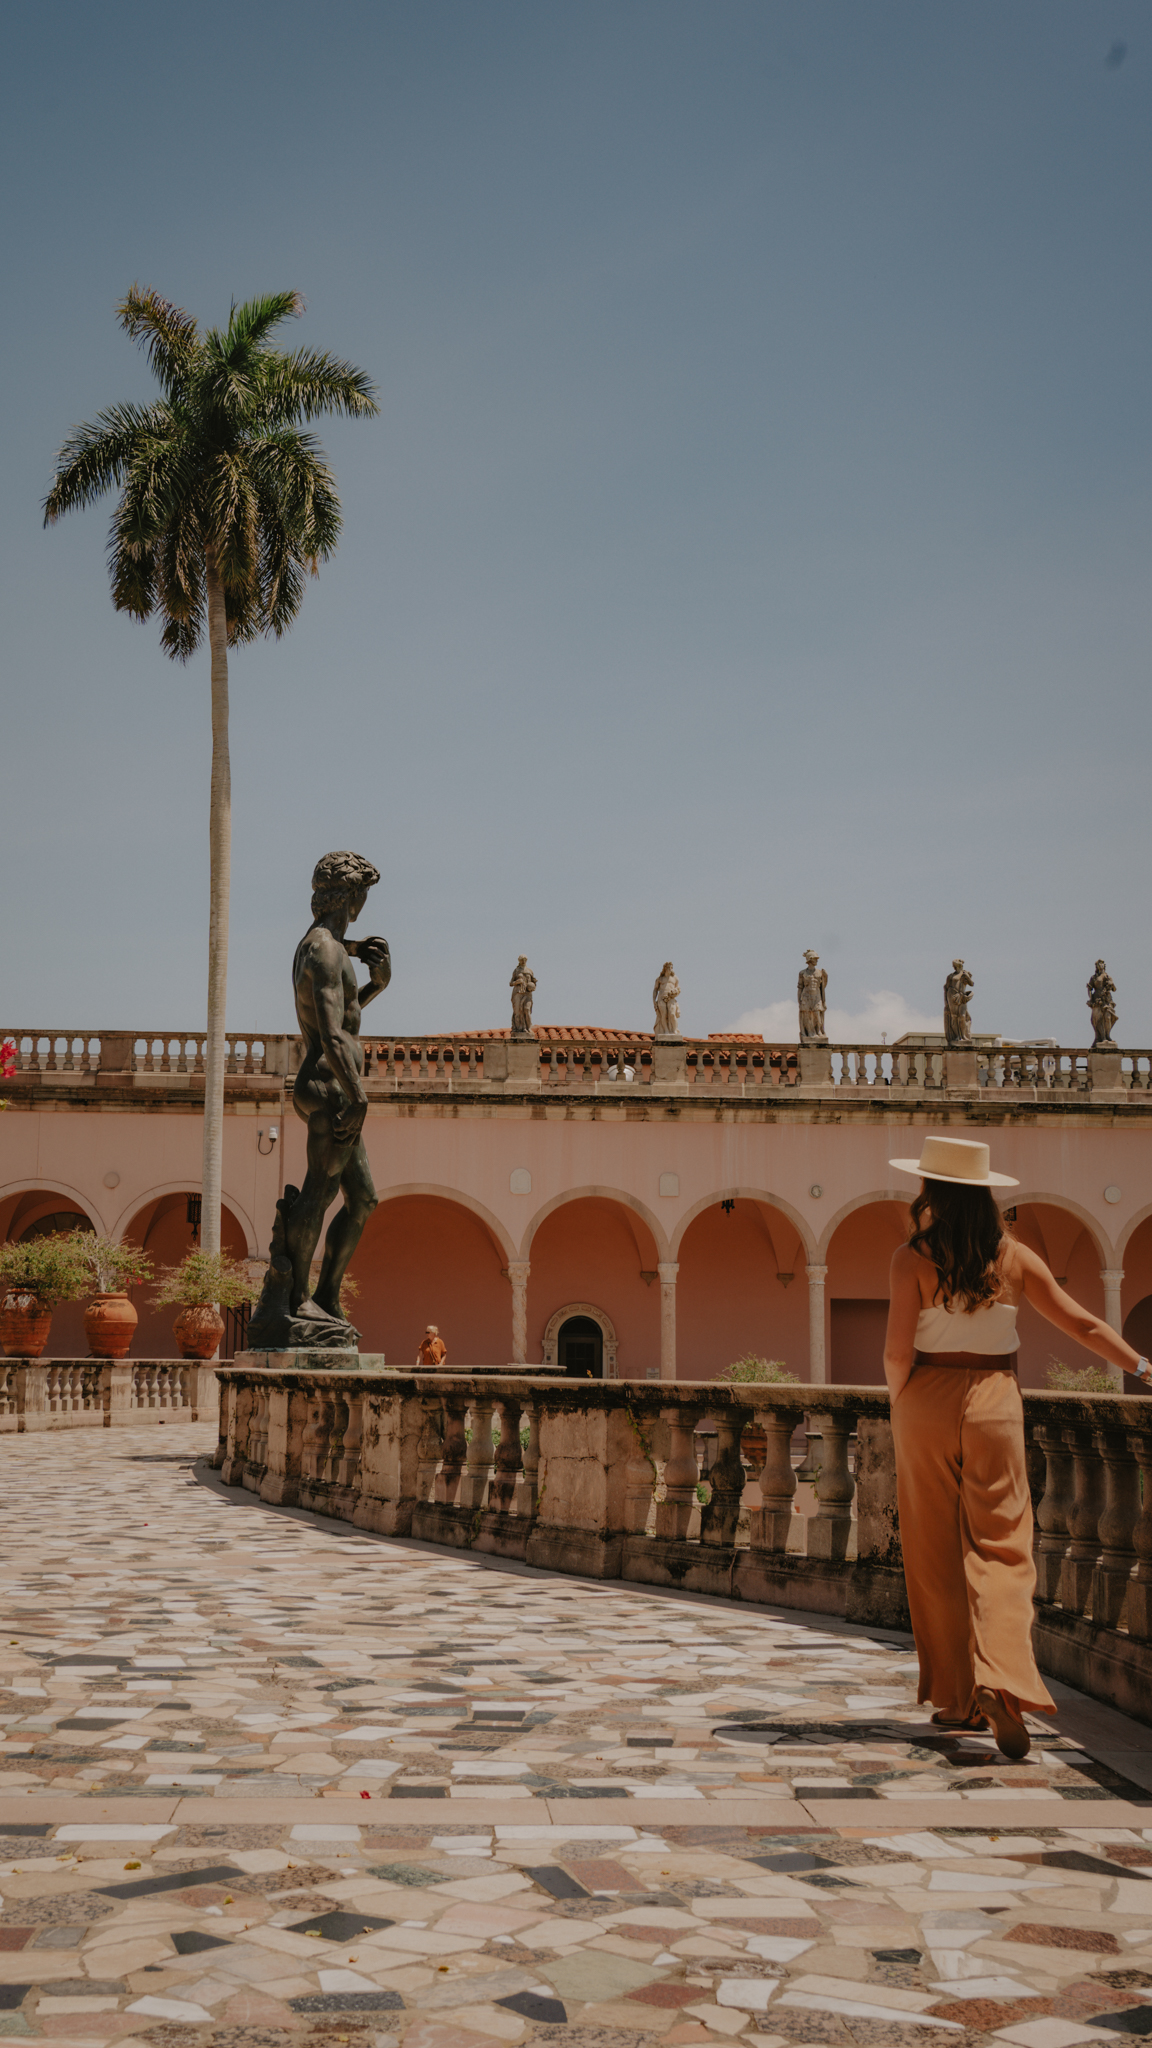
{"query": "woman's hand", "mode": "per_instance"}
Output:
(903, 1313)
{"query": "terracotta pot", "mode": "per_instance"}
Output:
(198, 1330)
(109, 1325)
(24, 1324)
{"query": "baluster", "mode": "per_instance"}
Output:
(681, 1474)
(831, 1525)
(507, 1458)
(454, 1453)
(314, 1443)
(639, 1478)
(334, 1449)
(527, 1498)
(474, 1484)
(1139, 1612)
(1121, 1507)
(1078, 1568)
(429, 1446)
(719, 1516)
(346, 1473)
(1054, 1510)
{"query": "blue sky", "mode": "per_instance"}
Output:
(752, 551)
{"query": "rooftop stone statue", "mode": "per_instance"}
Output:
(811, 995)
(957, 1023)
(1102, 1005)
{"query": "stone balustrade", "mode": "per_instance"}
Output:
(96, 1393)
(595, 1063)
(622, 1480)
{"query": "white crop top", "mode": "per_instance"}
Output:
(990, 1329)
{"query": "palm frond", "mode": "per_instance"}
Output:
(249, 324)
(311, 382)
(244, 611)
(180, 638)
(281, 571)
(96, 456)
(161, 485)
(291, 473)
(230, 513)
(133, 573)
(167, 332)
(180, 567)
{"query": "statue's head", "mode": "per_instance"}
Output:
(1100, 967)
(812, 958)
(956, 966)
(341, 882)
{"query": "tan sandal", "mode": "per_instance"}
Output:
(973, 1723)
(1002, 1710)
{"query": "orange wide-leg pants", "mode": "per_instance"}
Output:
(966, 1534)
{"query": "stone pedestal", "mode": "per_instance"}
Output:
(523, 1062)
(1105, 1076)
(960, 1075)
(815, 1063)
(669, 1063)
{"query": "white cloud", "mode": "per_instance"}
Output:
(884, 1011)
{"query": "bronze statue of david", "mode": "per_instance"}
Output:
(329, 1095)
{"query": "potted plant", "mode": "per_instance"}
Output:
(35, 1274)
(110, 1319)
(200, 1286)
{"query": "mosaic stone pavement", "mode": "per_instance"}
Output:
(612, 1814)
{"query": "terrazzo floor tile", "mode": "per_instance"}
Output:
(613, 1816)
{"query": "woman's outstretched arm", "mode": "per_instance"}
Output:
(1059, 1308)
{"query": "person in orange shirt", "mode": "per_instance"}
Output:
(433, 1350)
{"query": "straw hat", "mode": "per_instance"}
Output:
(962, 1161)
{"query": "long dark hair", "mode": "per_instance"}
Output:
(962, 1236)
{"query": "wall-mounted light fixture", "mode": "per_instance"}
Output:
(728, 1207)
(272, 1133)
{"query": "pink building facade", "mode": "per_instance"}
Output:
(675, 1206)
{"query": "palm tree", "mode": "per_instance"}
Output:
(224, 502)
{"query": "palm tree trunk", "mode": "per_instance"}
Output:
(220, 871)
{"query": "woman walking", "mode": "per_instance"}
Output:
(958, 1428)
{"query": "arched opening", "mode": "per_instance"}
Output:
(1136, 1291)
(741, 1289)
(580, 1348)
(166, 1229)
(578, 1324)
(594, 1257)
(1067, 1247)
(45, 1212)
(427, 1259)
(856, 1290)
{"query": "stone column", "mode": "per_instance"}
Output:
(518, 1271)
(817, 1362)
(668, 1271)
(1112, 1276)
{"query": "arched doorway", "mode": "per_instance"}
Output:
(581, 1340)
(580, 1349)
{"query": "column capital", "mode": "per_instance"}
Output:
(817, 1273)
(1113, 1273)
(668, 1269)
(518, 1269)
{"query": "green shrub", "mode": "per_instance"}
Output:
(48, 1267)
(1087, 1379)
(761, 1371)
(203, 1277)
(110, 1268)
